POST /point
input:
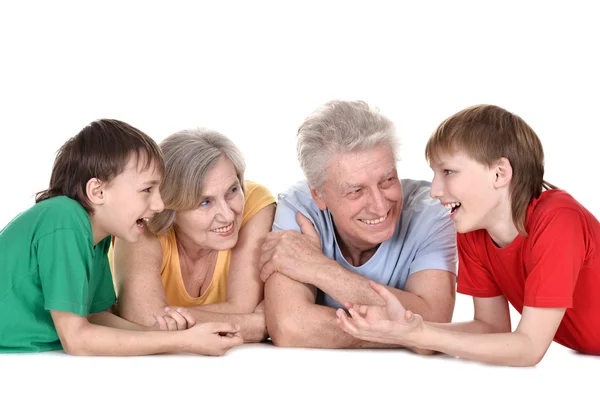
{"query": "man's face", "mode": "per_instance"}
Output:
(364, 196)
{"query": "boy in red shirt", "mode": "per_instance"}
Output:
(520, 240)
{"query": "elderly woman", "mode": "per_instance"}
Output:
(200, 253)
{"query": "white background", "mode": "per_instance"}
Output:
(254, 70)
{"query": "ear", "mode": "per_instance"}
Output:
(318, 198)
(94, 189)
(503, 170)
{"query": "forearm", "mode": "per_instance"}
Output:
(345, 286)
(252, 325)
(108, 319)
(106, 341)
(472, 327)
(509, 349)
(315, 326)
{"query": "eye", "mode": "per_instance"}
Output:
(387, 183)
(448, 171)
(147, 190)
(205, 203)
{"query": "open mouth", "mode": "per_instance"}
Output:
(375, 221)
(141, 221)
(452, 206)
(224, 229)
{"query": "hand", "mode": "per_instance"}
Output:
(389, 324)
(212, 338)
(291, 253)
(173, 320)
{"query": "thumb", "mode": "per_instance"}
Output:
(393, 305)
(306, 226)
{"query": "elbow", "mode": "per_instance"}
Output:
(530, 359)
(74, 346)
(283, 330)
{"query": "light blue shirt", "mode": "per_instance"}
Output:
(425, 237)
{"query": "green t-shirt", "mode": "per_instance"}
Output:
(48, 261)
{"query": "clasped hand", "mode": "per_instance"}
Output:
(291, 253)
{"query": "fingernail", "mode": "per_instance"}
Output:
(167, 309)
(179, 310)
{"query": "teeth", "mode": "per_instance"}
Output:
(374, 221)
(451, 205)
(223, 229)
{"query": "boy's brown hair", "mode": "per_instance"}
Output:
(100, 150)
(487, 133)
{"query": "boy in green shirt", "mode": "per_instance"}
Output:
(56, 289)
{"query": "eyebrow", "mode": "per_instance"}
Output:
(233, 184)
(345, 186)
(151, 183)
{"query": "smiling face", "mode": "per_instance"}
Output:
(364, 196)
(125, 203)
(216, 222)
(471, 190)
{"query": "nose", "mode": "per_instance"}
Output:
(377, 203)
(157, 204)
(437, 188)
(225, 211)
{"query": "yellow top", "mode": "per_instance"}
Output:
(257, 197)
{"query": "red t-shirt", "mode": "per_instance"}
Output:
(556, 266)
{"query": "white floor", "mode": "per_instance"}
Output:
(267, 371)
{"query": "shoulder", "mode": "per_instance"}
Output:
(297, 195)
(256, 193)
(297, 198)
(58, 213)
(418, 204)
(148, 246)
(556, 207)
(258, 197)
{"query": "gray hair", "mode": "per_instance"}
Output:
(339, 127)
(189, 155)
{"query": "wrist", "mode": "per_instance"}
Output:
(322, 271)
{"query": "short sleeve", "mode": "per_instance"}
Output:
(438, 251)
(257, 197)
(65, 260)
(557, 254)
(474, 278)
(285, 215)
(103, 288)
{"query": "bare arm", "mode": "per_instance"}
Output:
(486, 339)
(526, 346)
(80, 337)
(429, 293)
(293, 318)
(244, 286)
(137, 268)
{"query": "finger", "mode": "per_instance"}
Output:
(306, 226)
(230, 342)
(358, 320)
(267, 246)
(266, 271)
(345, 323)
(224, 328)
(180, 321)
(274, 235)
(162, 324)
(190, 320)
(389, 298)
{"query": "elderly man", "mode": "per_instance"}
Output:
(352, 221)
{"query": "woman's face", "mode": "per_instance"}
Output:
(216, 222)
